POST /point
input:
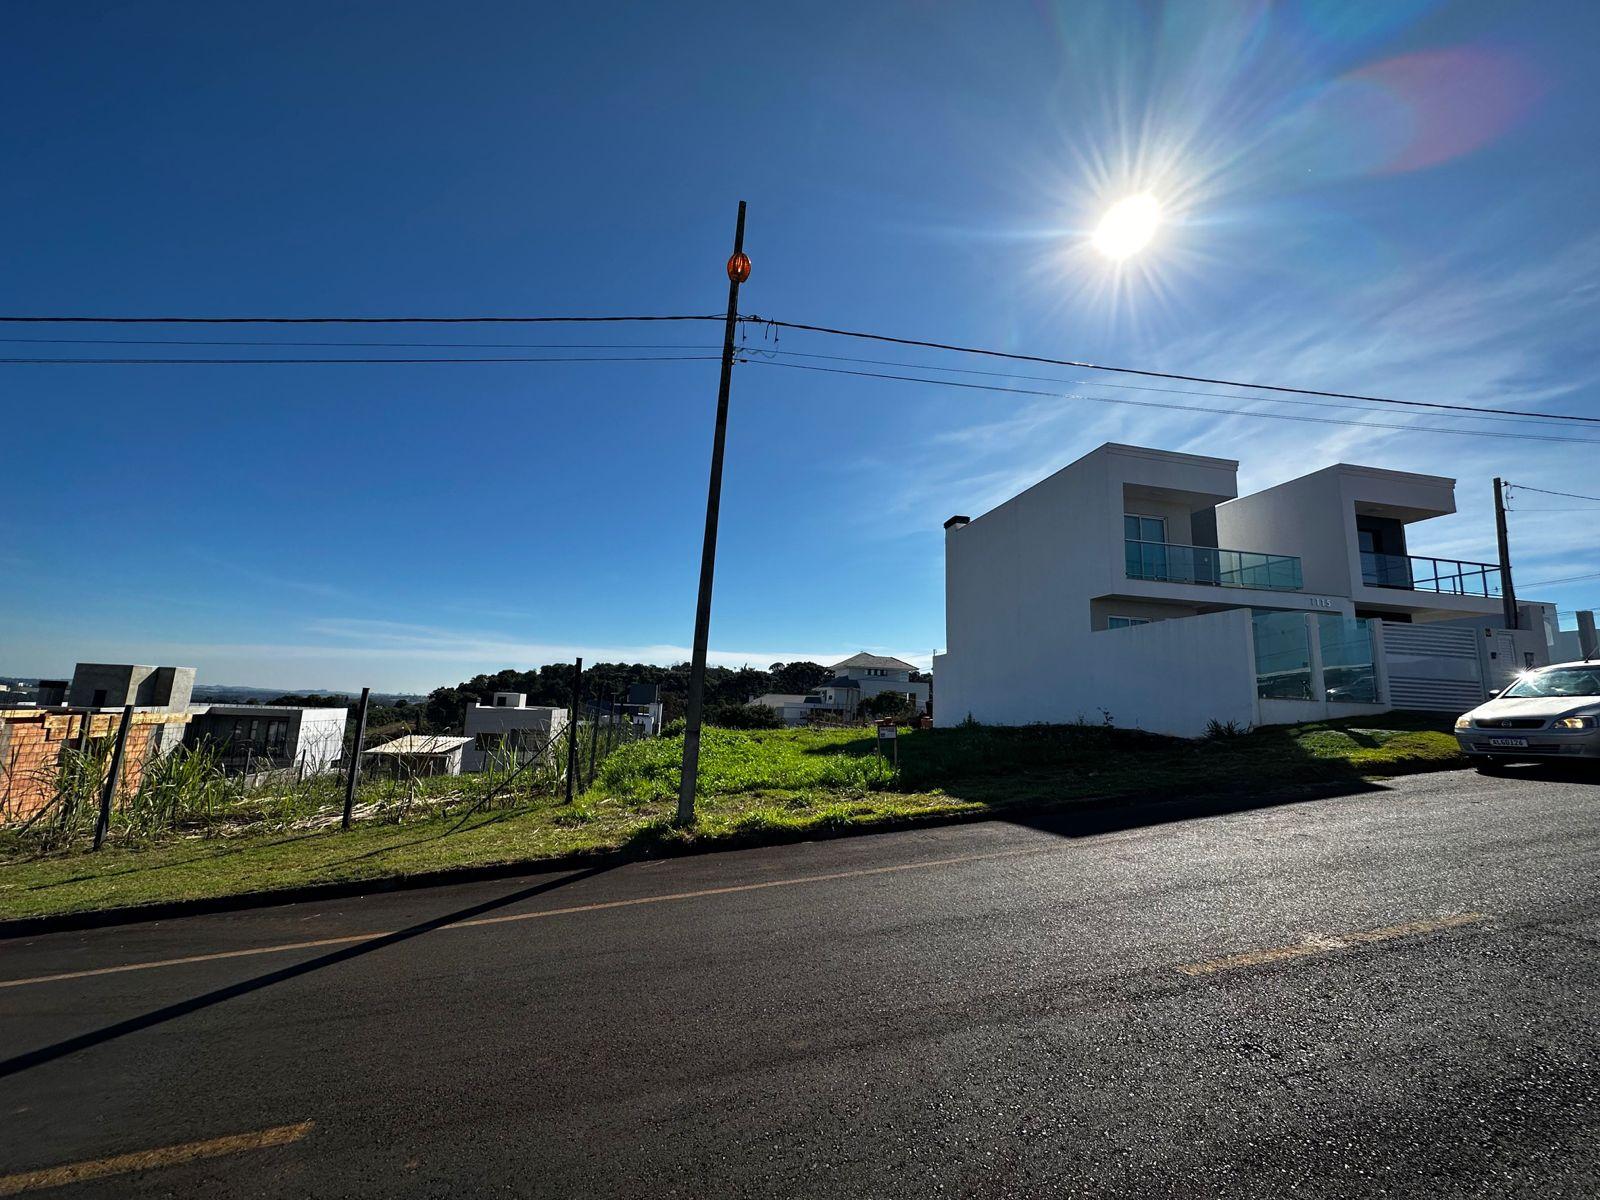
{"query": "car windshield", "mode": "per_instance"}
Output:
(1560, 681)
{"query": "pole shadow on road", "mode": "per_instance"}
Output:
(182, 1008)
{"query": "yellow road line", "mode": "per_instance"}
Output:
(599, 906)
(145, 1160)
(1330, 944)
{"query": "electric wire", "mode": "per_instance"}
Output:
(407, 345)
(281, 362)
(1089, 366)
(16, 319)
(1097, 383)
(1566, 579)
(1239, 412)
(1547, 492)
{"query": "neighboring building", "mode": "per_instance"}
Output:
(114, 685)
(269, 737)
(417, 754)
(644, 708)
(32, 740)
(509, 726)
(854, 680)
(1136, 586)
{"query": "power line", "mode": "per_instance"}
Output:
(280, 362)
(1089, 366)
(1096, 383)
(1522, 487)
(1567, 579)
(398, 345)
(1191, 408)
(81, 320)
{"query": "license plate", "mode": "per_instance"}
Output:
(1510, 743)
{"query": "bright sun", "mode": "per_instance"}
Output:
(1128, 226)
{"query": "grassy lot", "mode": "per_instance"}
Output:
(755, 786)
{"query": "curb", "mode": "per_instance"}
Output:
(1206, 803)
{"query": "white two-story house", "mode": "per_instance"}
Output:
(1135, 586)
(855, 679)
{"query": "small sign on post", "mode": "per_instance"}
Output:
(889, 740)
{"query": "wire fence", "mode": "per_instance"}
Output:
(268, 771)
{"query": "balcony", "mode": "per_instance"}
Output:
(1413, 573)
(1171, 563)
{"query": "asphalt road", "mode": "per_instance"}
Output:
(1392, 992)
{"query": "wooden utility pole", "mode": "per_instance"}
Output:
(108, 794)
(355, 760)
(1508, 591)
(738, 272)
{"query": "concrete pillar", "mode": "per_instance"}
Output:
(1588, 643)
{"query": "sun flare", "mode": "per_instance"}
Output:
(1128, 226)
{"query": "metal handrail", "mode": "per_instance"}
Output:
(1418, 573)
(1212, 566)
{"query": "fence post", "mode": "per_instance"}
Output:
(113, 777)
(355, 760)
(572, 725)
(594, 737)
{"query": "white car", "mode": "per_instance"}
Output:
(1549, 712)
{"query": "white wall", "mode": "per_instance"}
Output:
(321, 737)
(1166, 677)
(483, 718)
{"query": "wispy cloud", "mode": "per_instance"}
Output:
(1454, 330)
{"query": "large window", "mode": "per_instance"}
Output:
(1145, 546)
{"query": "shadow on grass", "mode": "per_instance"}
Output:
(182, 1008)
(455, 827)
(141, 868)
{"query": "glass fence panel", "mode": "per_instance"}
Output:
(1348, 674)
(1283, 655)
(1173, 563)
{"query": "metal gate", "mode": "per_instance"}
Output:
(1432, 668)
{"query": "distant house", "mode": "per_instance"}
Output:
(269, 737)
(417, 754)
(854, 679)
(509, 727)
(115, 685)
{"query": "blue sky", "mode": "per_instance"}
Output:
(1396, 199)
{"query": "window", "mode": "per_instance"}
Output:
(1125, 622)
(99, 700)
(1144, 546)
(1560, 681)
(1144, 529)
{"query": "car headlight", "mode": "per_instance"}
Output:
(1575, 723)
(1464, 722)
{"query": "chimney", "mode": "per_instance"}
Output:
(955, 523)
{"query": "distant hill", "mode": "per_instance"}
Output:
(225, 693)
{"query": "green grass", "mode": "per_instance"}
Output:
(755, 786)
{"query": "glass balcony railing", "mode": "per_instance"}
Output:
(1170, 563)
(1413, 573)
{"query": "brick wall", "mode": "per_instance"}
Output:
(31, 742)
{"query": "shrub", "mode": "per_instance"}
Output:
(744, 716)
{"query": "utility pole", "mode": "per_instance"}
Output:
(738, 272)
(1508, 591)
